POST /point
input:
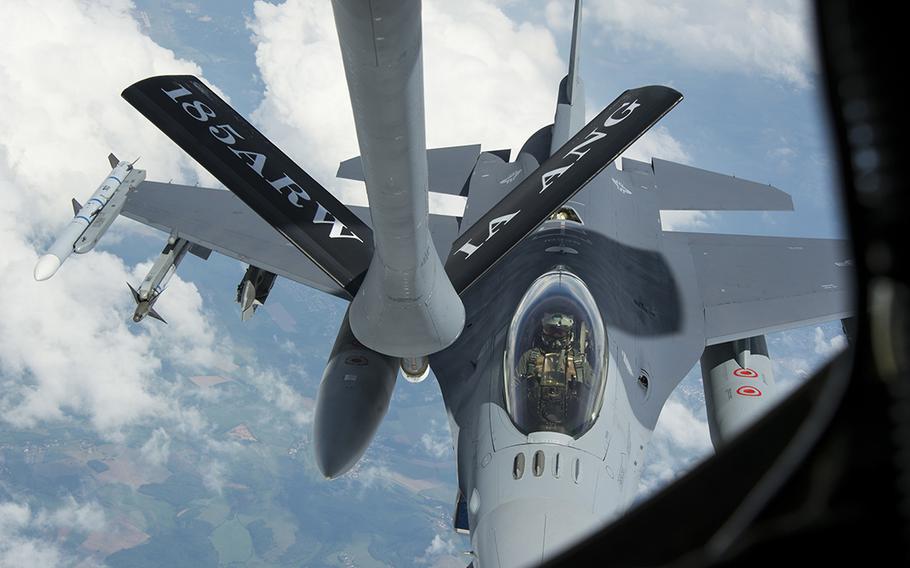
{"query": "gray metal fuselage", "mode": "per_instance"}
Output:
(645, 291)
(556, 349)
(405, 286)
(642, 291)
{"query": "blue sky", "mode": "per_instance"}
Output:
(752, 109)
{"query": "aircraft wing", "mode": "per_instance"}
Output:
(218, 220)
(756, 285)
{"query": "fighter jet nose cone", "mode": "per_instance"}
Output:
(47, 266)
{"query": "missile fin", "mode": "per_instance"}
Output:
(135, 293)
(113, 160)
(76, 207)
(154, 314)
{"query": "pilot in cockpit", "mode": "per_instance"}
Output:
(556, 367)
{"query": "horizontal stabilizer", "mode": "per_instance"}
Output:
(260, 174)
(448, 168)
(112, 160)
(684, 188)
(556, 180)
(76, 206)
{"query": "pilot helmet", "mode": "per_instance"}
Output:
(556, 330)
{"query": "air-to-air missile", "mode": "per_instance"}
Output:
(157, 278)
(91, 220)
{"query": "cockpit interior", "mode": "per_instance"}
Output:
(555, 360)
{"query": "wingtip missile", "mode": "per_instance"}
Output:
(91, 220)
(46, 267)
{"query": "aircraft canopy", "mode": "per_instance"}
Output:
(555, 364)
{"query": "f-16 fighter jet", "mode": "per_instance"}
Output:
(555, 313)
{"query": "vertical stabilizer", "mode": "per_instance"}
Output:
(570, 105)
(574, 54)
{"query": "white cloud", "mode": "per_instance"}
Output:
(558, 14)
(439, 546)
(683, 428)
(157, 449)
(658, 143)
(66, 349)
(753, 37)
(434, 446)
(214, 475)
(685, 220)
(363, 477)
(487, 79)
(72, 515)
(797, 353)
(437, 440)
(680, 438)
(276, 390)
(26, 536)
(829, 347)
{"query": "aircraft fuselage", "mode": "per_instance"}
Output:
(569, 485)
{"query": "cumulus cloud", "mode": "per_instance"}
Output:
(488, 79)
(680, 439)
(434, 446)
(685, 220)
(766, 38)
(275, 390)
(797, 353)
(157, 449)
(439, 546)
(436, 441)
(559, 15)
(658, 143)
(829, 347)
(365, 476)
(21, 528)
(214, 475)
(66, 349)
